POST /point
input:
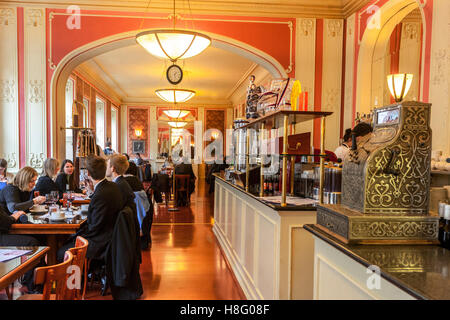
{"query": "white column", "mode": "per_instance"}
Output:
(349, 71)
(9, 95)
(153, 134)
(305, 55)
(332, 79)
(35, 87)
(439, 75)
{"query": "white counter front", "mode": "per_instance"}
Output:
(270, 253)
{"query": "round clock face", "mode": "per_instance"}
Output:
(174, 74)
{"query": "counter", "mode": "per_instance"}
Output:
(268, 249)
(406, 271)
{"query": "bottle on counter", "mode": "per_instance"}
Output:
(276, 184)
(270, 184)
(444, 232)
(266, 186)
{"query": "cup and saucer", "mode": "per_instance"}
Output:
(38, 209)
(57, 215)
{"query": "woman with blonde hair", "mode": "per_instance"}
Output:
(46, 183)
(18, 196)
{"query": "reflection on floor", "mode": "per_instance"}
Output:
(185, 261)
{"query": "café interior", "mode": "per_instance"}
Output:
(201, 150)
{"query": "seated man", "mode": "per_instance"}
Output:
(106, 203)
(117, 166)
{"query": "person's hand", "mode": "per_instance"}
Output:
(84, 192)
(39, 200)
(89, 185)
(17, 214)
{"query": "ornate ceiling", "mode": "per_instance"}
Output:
(271, 8)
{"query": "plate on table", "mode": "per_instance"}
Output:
(35, 211)
(56, 219)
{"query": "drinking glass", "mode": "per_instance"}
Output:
(55, 196)
(36, 194)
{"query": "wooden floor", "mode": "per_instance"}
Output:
(185, 261)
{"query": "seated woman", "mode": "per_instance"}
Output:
(65, 179)
(18, 195)
(5, 177)
(46, 183)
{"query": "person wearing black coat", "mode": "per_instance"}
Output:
(186, 168)
(106, 203)
(131, 177)
(46, 183)
(16, 240)
(18, 195)
(117, 165)
(65, 179)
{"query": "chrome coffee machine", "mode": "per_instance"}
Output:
(386, 181)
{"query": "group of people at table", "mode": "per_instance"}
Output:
(111, 185)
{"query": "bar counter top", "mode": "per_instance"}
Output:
(420, 270)
(276, 207)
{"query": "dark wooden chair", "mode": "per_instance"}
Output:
(50, 276)
(182, 185)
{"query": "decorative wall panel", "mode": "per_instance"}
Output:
(331, 79)
(9, 100)
(138, 118)
(35, 86)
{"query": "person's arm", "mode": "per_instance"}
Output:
(14, 203)
(5, 221)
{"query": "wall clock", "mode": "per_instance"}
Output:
(174, 74)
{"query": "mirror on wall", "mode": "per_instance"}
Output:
(398, 53)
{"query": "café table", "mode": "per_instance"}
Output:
(52, 230)
(12, 269)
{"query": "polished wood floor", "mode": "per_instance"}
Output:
(185, 261)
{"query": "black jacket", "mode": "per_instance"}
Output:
(128, 200)
(5, 221)
(122, 259)
(12, 199)
(63, 181)
(45, 185)
(106, 203)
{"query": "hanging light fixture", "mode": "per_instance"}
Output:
(399, 85)
(177, 124)
(173, 44)
(175, 95)
(176, 113)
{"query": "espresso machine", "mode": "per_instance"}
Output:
(386, 182)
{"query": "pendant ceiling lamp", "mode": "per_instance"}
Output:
(173, 43)
(175, 95)
(176, 113)
(177, 124)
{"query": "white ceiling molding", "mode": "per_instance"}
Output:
(156, 101)
(267, 8)
(95, 77)
(110, 80)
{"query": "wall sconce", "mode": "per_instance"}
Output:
(138, 132)
(215, 135)
(399, 85)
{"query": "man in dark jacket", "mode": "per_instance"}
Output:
(117, 166)
(106, 202)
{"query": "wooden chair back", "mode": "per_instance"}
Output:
(79, 260)
(182, 184)
(56, 274)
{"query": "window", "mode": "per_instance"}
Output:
(114, 127)
(70, 97)
(100, 122)
(86, 104)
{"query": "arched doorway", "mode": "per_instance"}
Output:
(373, 45)
(88, 51)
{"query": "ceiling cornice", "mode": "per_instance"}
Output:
(316, 9)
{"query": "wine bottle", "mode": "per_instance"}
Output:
(444, 233)
(265, 186)
(270, 184)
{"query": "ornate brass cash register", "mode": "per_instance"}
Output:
(386, 182)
